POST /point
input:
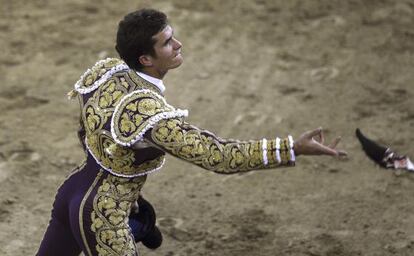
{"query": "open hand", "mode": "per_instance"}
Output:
(312, 143)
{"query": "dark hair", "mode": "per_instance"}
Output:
(134, 36)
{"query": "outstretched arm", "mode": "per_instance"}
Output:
(213, 153)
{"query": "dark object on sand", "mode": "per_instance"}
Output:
(373, 150)
(383, 155)
(142, 224)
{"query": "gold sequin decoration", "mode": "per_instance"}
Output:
(111, 208)
(99, 108)
(117, 158)
(96, 116)
(110, 93)
(134, 114)
(208, 151)
(97, 71)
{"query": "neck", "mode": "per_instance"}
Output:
(153, 72)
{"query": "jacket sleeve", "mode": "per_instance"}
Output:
(210, 152)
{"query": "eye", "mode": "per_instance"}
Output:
(168, 41)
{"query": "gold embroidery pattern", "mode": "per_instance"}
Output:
(81, 207)
(101, 105)
(117, 159)
(96, 116)
(111, 92)
(97, 72)
(111, 208)
(94, 120)
(137, 112)
(206, 150)
(284, 151)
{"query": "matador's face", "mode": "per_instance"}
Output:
(167, 50)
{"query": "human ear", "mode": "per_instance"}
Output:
(145, 60)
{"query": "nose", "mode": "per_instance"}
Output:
(177, 44)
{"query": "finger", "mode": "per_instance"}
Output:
(324, 150)
(311, 134)
(319, 138)
(335, 143)
(322, 137)
(342, 153)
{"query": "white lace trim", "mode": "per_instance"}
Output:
(151, 121)
(292, 152)
(278, 159)
(410, 165)
(120, 174)
(264, 151)
(105, 77)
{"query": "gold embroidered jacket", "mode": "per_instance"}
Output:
(213, 153)
(128, 126)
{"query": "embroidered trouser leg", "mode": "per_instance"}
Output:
(92, 208)
(105, 209)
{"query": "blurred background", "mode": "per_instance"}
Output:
(252, 69)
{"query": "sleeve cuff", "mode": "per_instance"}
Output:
(280, 151)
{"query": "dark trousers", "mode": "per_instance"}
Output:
(82, 220)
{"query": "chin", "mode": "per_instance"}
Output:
(177, 63)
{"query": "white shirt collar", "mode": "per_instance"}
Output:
(155, 81)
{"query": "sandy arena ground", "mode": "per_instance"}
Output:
(252, 69)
